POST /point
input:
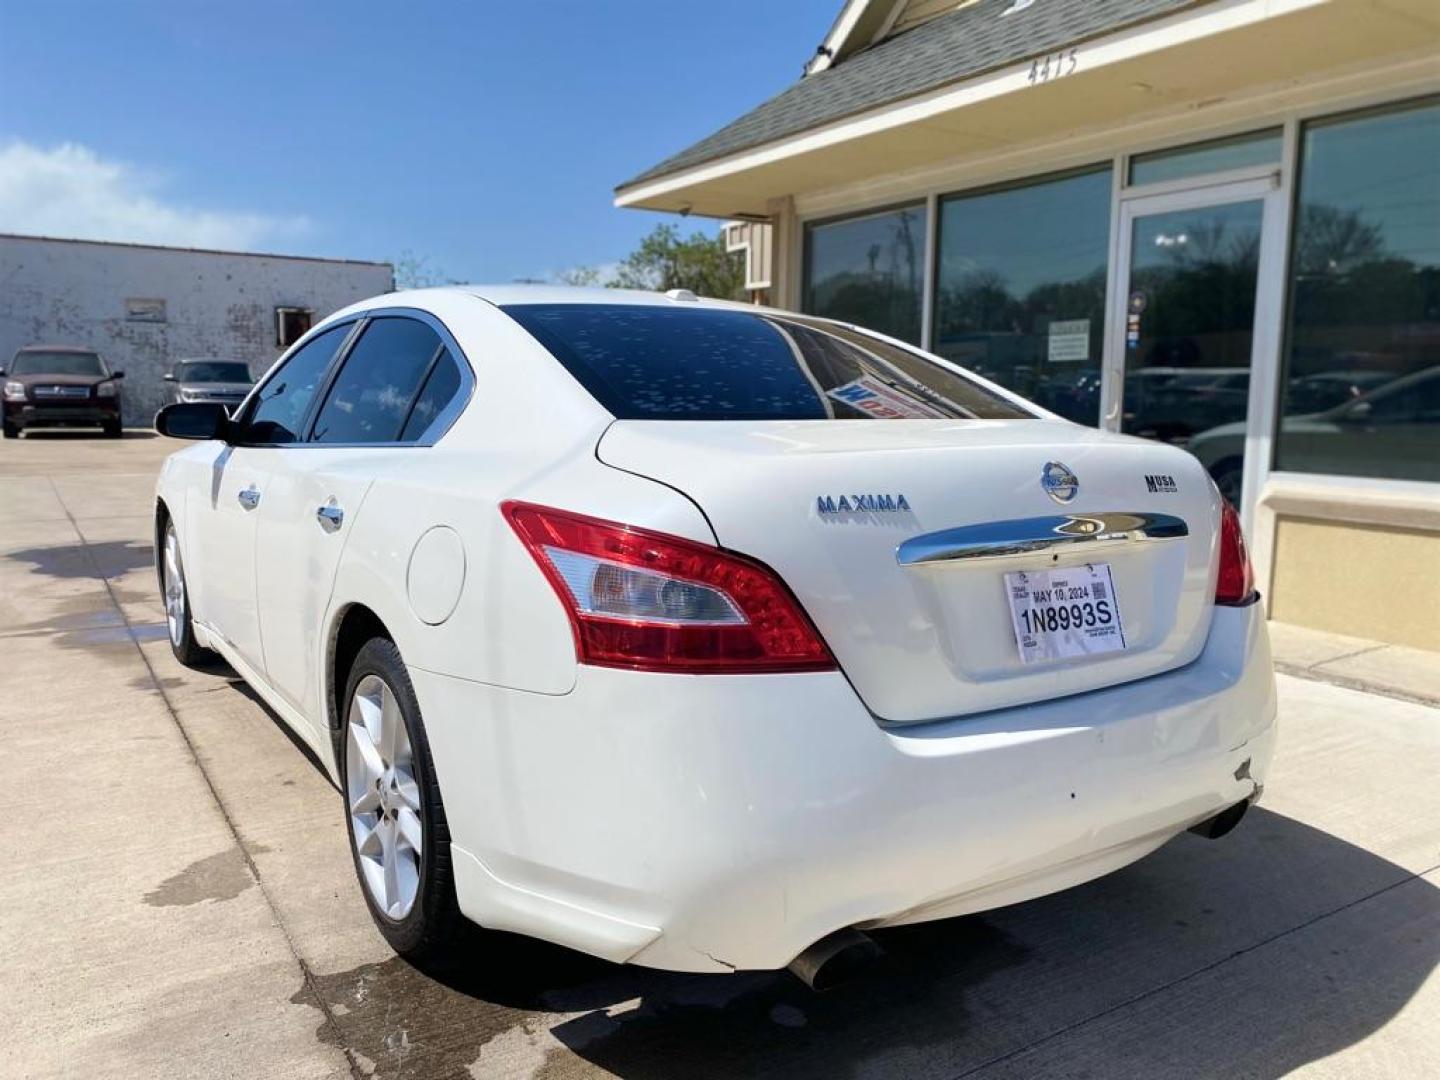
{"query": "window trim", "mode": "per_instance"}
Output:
(433, 433)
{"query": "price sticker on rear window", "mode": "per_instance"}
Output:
(869, 395)
(1059, 614)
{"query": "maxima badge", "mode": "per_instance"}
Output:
(1059, 482)
(861, 504)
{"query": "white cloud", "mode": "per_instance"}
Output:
(68, 190)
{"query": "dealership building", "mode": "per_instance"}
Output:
(1212, 223)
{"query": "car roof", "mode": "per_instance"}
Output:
(58, 349)
(502, 295)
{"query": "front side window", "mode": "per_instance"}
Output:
(280, 407)
(1020, 291)
(1362, 383)
(869, 271)
(370, 399)
(58, 363)
(667, 363)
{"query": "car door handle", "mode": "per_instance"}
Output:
(249, 498)
(331, 517)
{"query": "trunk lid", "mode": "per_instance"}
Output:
(921, 640)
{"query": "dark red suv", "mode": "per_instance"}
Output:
(60, 386)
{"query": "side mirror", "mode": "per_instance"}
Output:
(169, 376)
(1359, 413)
(2, 372)
(117, 374)
(194, 420)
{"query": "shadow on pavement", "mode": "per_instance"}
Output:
(112, 557)
(958, 995)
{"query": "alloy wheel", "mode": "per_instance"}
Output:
(383, 797)
(174, 587)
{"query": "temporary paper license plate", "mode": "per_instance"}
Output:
(1064, 613)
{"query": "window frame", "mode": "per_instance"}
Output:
(1296, 130)
(938, 200)
(281, 311)
(434, 431)
(925, 204)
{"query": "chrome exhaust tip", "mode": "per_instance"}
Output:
(834, 959)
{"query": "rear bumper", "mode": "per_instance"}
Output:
(708, 823)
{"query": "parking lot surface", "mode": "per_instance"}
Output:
(179, 901)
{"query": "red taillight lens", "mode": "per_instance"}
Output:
(1236, 584)
(645, 600)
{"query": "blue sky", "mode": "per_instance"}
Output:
(481, 136)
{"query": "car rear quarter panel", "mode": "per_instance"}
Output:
(507, 628)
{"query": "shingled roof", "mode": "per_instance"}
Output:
(961, 45)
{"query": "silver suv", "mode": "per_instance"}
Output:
(223, 382)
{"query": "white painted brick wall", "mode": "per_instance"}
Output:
(218, 305)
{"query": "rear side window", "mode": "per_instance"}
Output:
(371, 397)
(280, 408)
(439, 390)
(665, 363)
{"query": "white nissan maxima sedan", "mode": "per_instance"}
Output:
(705, 636)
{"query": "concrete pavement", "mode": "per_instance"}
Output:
(1395, 670)
(180, 900)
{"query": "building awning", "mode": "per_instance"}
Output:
(984, 78)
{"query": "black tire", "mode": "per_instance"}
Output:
(182, 630)
(433, 926)
(12, 431)
(113, 429)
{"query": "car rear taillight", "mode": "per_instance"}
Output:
(1235, 585)
(654, 602)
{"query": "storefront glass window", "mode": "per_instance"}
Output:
(1217, 155)
(1361, 394)
(1020, 293)
(1190, 331)
(869, 271)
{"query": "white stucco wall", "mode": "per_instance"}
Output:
(218, 305)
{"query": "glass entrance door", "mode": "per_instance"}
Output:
(1187, 361)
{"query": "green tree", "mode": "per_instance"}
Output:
(414, 271)
(666, 261)
(580, 275)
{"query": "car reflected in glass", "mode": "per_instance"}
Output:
(1393, 430)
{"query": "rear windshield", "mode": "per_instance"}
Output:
(56, 363)
(213, 371)
(667, 363)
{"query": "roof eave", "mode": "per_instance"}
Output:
(1177, 60)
